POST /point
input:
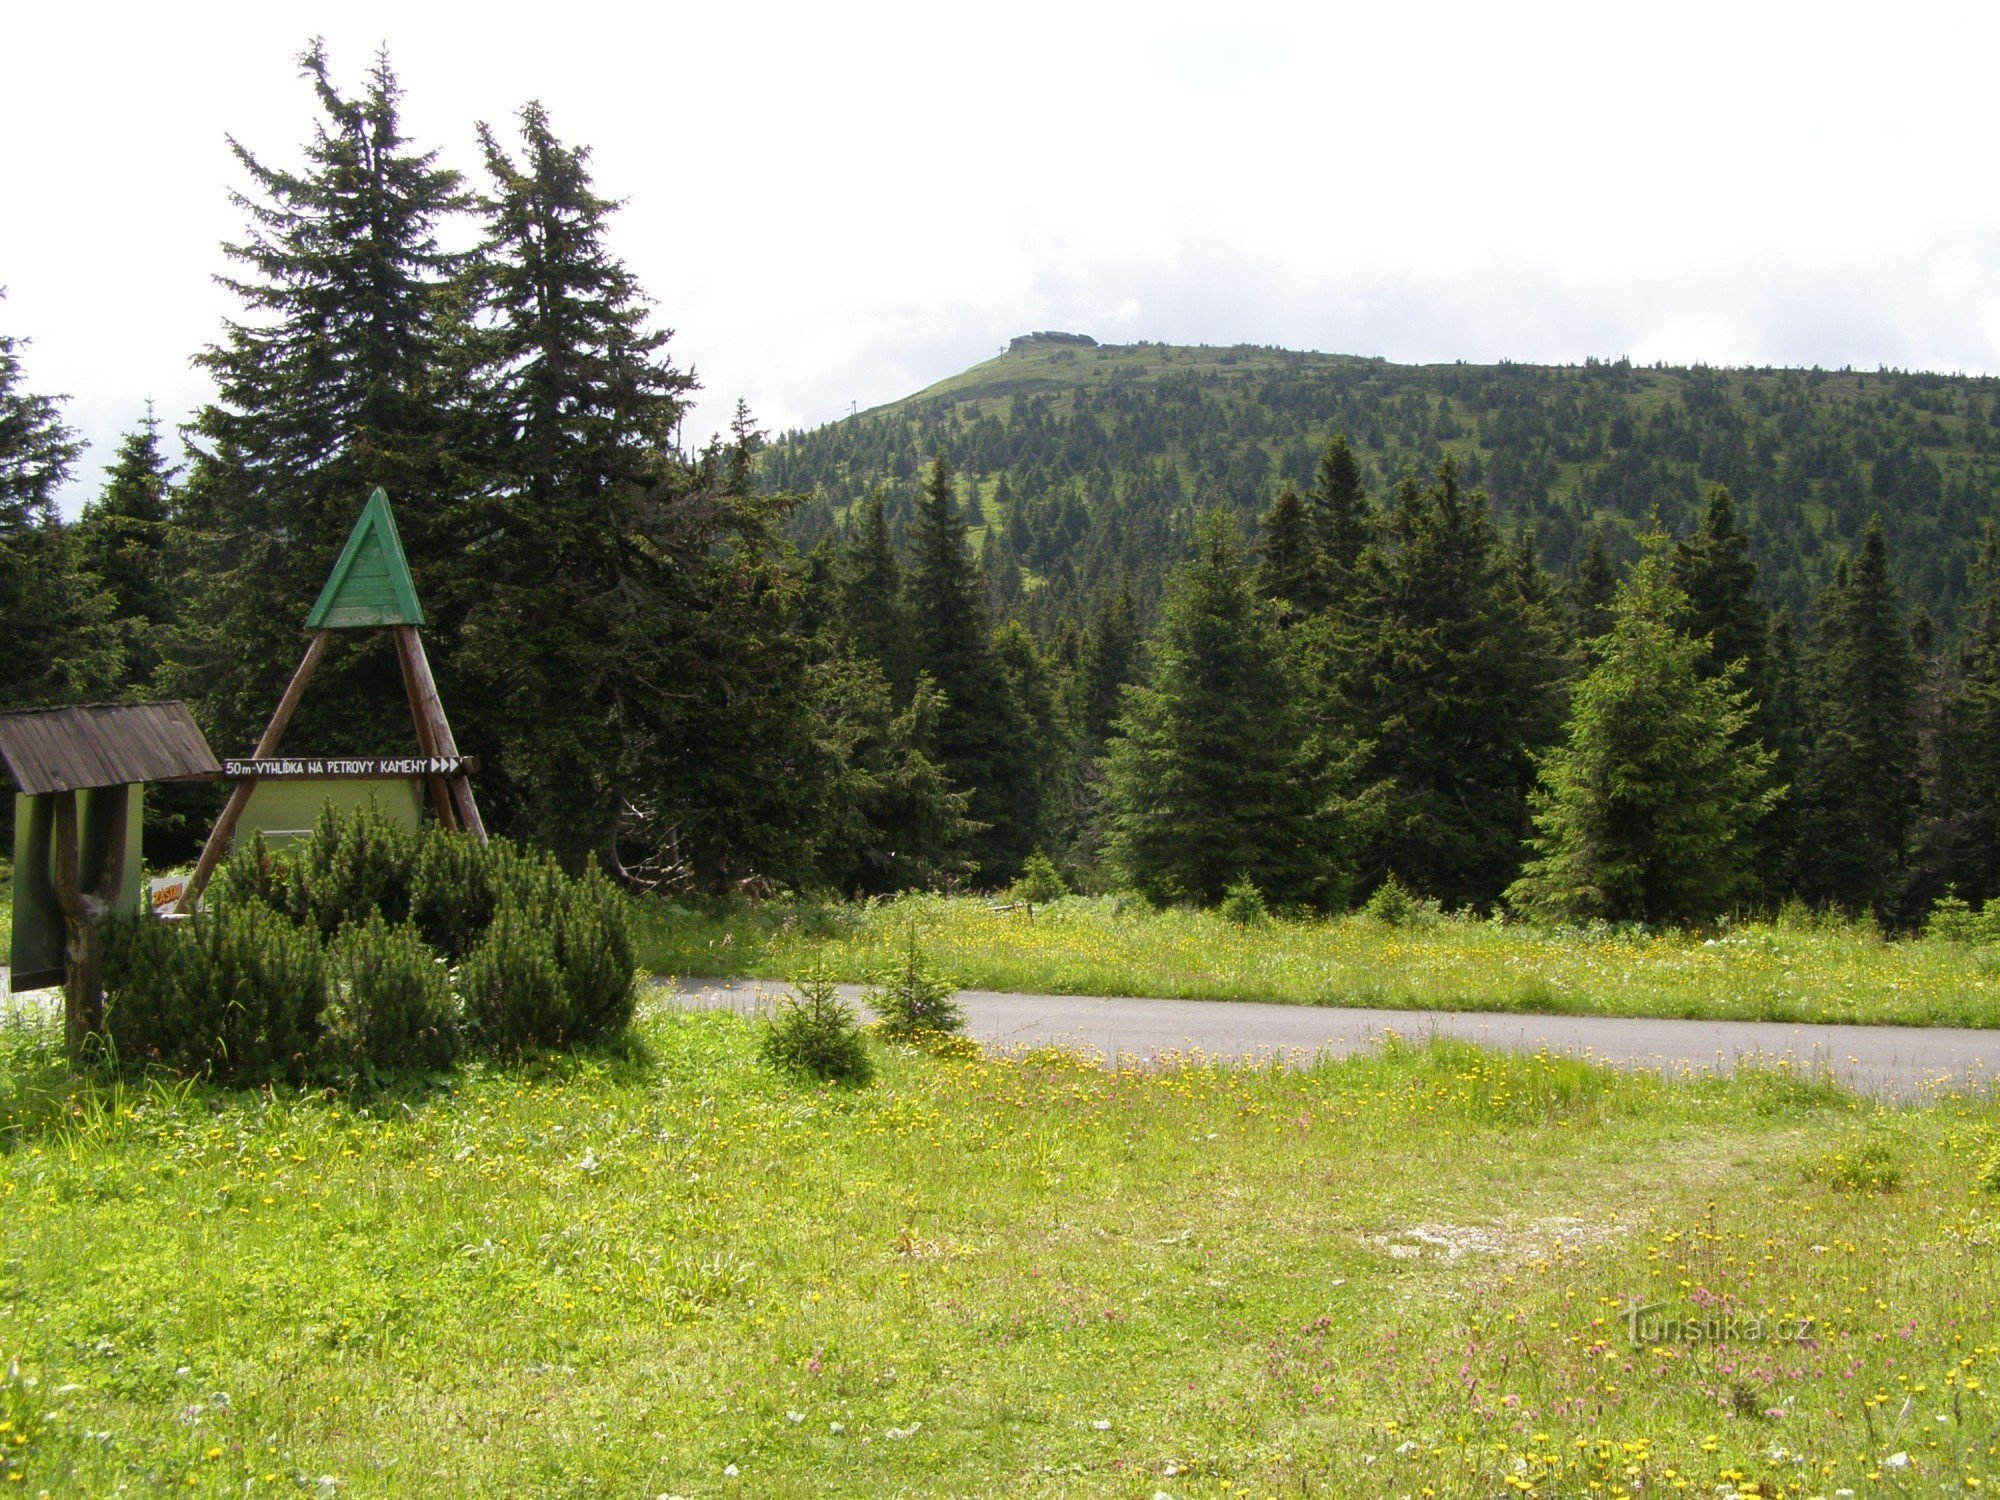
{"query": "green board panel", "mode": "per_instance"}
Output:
(286, 810)
(370, 585)
(35, 951)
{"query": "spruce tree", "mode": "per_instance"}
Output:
(1288, 567)
(61, 644)
(1529, 578)
(1207, 781)
(1341, 520)
(583, 517)
(1036, 684)
(1644, 812)
(871, 614)
(1713, 569)
(1960, 840)
(897, 823)
(1593, 587)
(1781, 720)
(340, 376)
(1109, 661)
(125, 537)
(981, 732)
(1860, 792)
(1453, 677)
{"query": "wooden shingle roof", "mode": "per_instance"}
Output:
(103, 744)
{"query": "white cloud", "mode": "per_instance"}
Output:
(839, 205)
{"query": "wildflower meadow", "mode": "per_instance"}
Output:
(665, 1268)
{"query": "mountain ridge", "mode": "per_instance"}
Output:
(1061, 441)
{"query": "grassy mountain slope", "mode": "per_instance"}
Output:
(1086, 461)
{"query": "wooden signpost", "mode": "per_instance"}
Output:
(369, 589)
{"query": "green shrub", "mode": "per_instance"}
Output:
(593, 948)
(1041, 882)
(1396, 904)
(544, 959)
(142, 974)
(252, 873)
(813, 1032)
(236, 994)
(391, 1005)
(454, 886)
(1952, 920)
(915, 998)
(1243, 904)
(513, 987)
(355, 865)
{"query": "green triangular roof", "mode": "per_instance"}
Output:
(370, 585)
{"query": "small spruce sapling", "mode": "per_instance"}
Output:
(915, 998)
(1243, 904)
(813, 1032)
(1041, 882)
(1392, 903)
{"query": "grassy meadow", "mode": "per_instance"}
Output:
(666, 1270)
(1799, 971)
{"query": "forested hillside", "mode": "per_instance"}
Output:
(1585, 642)
(1092, 460)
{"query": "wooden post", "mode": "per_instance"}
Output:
(428, 711)
(84, 913)
(427, 740)
(239, 797)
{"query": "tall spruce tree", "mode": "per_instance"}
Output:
(1036, 683)
(1207, 780)
(1644, 812)
(981, 731)
(1782, 723)
(125, 537)
(1109, 660)
(1860, 793)
(1713, 569)
(1454, 678)
(1341, 521)
(1289, 564)
(584, 522)
(871, 613)
(1593, 587)
(340, 376)
(896, 822)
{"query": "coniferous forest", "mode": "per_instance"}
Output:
(1598, 642)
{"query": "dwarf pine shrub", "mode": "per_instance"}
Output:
(515, 998)
(454, 887)
(237, 993)
(1953, 920)
(364, 923)
(594, 954)
(390, 1005)
(353, 866)
(1398, 905)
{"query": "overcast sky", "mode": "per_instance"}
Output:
(840, 204)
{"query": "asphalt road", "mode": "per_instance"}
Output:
(1894, 1061)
